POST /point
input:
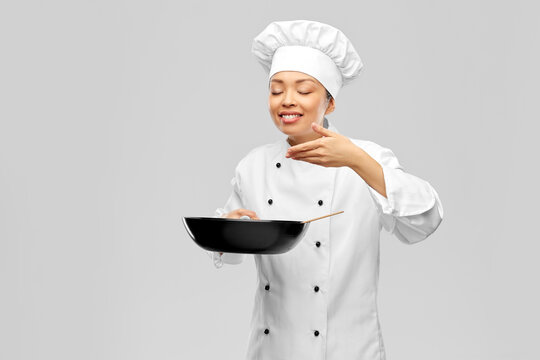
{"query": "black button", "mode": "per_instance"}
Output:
(318, 243)
(316, 288)
(320, 202)
(266, 331)
(316, 333)
(267, 287)
(270, 201)
(278, 165)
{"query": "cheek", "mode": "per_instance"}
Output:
(320, 106)
(310, 106)
(272, 104)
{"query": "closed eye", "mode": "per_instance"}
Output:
(303, 93)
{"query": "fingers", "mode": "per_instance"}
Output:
(322, 130)
(308, 153)
(253, 215)
(314, 160)
(309, 145)
(247, 212)
(238, 213)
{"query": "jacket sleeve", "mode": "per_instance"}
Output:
(234, 202)
(412, 210)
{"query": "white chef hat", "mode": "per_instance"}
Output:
(311, 47)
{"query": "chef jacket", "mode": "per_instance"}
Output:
(318, 301)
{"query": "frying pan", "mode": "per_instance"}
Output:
(247, 236)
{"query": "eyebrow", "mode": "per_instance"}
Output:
(297, 81)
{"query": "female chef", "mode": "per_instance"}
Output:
(319, 300)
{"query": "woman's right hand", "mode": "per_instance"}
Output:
(238, 213)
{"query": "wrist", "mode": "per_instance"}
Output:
(356, 160)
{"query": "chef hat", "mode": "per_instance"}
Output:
(311, 47)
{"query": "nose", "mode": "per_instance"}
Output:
(288, 99)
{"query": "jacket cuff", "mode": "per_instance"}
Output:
(406, 194)
(226, 258)
(232, 258)
(220, 212)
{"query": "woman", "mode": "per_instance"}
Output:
(319, 300)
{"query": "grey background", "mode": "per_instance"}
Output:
(117, 118)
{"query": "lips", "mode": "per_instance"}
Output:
(290, 118)
(289, 113)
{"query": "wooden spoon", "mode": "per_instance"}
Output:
(303, 222)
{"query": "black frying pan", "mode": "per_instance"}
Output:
(247, 236)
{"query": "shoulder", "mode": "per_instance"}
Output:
(382, 154)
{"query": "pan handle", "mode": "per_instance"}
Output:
(322, 217)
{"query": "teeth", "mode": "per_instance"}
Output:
(290, 116)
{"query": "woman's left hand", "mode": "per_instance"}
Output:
(331, 150)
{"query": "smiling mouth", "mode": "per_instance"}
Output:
(287, 119)
(292, 116)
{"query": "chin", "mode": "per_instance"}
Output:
(294, 132)
(297, 128)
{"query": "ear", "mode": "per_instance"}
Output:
(331, 106)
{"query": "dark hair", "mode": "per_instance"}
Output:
(328, 95)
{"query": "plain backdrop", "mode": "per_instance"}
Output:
(117, 118)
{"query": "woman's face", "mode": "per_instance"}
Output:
(303, 96)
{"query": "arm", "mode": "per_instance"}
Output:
(409, 207)
(234, 202)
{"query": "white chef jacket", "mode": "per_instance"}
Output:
(319, 300)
